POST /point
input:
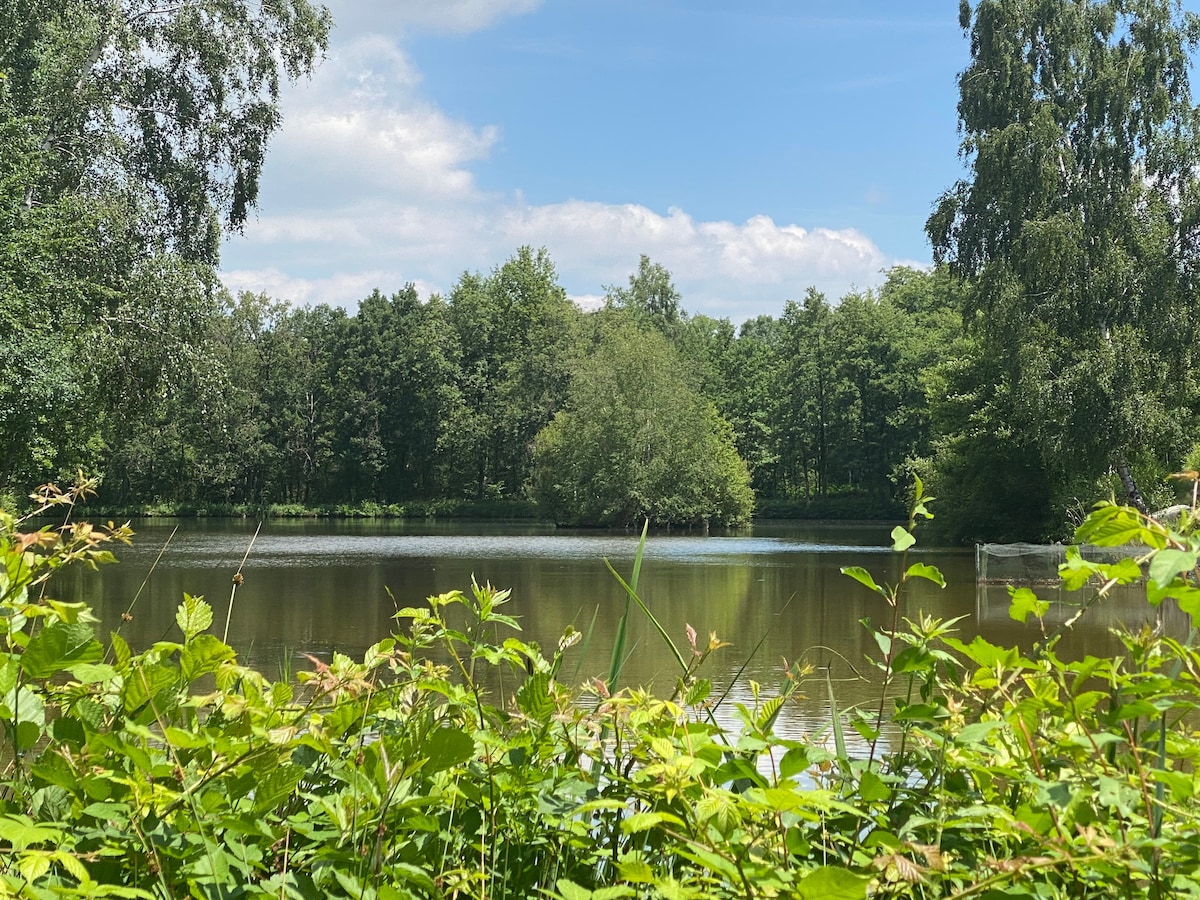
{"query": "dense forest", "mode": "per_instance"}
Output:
(1051, 340)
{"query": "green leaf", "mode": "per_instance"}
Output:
(1076, 571)
(984, 653)
(33, 865)
(413, 875)
(1124, 571)
(976, 732)
(862, 576)
(193, 616)
(794, 762)
(930, 573)
(902, 538)
(145, 682)
(1169, 563)
(698, 692)
(913, 659)
(58, 646)
(711, 860)
(121, 652)
(1185, 595)
(446, 747)
(1112, 526)
(1181, 784)
(1116, 795)
(636, 870)
(68, 730)
(352, 886)
(276, 787)
(644, 821)
(92, 673)
(183, 738)
(872, 789)
(920, 712)
(72, 864)
(833, 883)
(569, 890)
(1024, 603)
(21, 832)
(10, 672)
(202, 655)
(533, 697)
(29, 713)
(70, 613)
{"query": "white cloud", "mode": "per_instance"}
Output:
(588, 302)
(338, 290)
(362, 127)
(721, 268)
(370, 185)
(416, 150)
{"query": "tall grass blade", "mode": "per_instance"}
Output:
(835, 717)
(649, 615)
(584, 645)
(737, 677)
(637, 557)
(237, 579)
(617, 660)
(145, 581)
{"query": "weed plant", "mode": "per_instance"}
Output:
(175, 771)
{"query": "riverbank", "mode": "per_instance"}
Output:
(835, 507)
(414, 509)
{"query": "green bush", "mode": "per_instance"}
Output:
(992, 772)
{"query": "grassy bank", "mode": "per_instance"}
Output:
(417, 509)
(837, 507)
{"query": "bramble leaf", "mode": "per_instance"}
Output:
(833, 883)
(1169, 563)
(193, 616)
(1024, 603)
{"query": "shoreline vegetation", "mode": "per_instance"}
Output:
(456, 760)
(850, 507)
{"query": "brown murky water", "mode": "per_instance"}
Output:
(775, 593)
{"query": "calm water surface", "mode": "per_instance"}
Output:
(319, 586)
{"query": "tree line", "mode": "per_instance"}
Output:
(505, 390)
(1052, 340)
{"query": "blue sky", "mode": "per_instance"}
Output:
(754, 148)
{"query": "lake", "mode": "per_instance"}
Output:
(316, 586)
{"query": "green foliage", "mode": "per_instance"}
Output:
(516, 335)
(132, 132)
(651, 297)
(854, 389)
(171, 105)
(1074, 240)
(635, 441)
(452, 761)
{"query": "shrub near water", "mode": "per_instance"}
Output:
(175, 771)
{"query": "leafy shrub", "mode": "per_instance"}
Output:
(991, 772)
